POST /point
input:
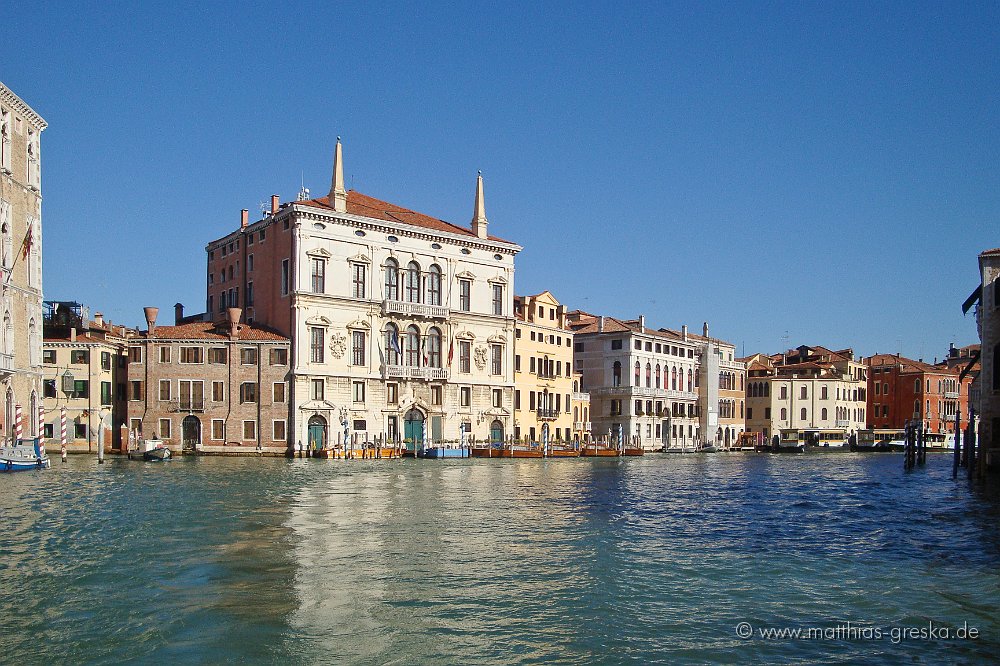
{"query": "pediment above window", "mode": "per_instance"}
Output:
(466, 275)
(318, 253)
(498, 280)
(318, 320)
(360, 258)
(359, 323)
(496, 338)
(465, 335)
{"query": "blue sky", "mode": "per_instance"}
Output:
(797, 173)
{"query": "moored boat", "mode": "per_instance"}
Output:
(633, 451)
(443, 452)
(498, 451)
(24, 456)
(150, 449)
(563, 452)
(873, 439)
(595, 451)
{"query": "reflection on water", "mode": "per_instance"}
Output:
(468, 561)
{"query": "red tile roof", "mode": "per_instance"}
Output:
(906, 365)
(990, 253)
(203, 330)
(366, 206)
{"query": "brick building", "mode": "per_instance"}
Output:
(902, 390)
(210, 386)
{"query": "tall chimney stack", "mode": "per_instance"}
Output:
(274, 204)
(244, 218)
(600, 324)
(684, 332)
(178, 313)
(642, 323)
(151, 313)
(704, 329)
(99, 320)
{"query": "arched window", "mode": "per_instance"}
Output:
(690, 381)
(673, 378)
(823, 414)
(8, 335)
(391, 280)
(767, 390)
(637, 372)
(434, 285)
(413, 347)
(784, 413)
(434, 347)
(802, 414)
(649, 375)
(657, 375)
(413, 282)
(617, 377)
(392, 346)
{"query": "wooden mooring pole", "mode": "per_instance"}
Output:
(958, 445)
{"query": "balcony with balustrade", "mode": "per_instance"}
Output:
(547, 414)
(407, 309)
(6, 365)
(408, 372)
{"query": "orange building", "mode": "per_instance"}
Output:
(902, 390)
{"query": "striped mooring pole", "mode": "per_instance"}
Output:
(18, 424)
(62, 432)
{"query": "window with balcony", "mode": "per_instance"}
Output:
(434, 285)
(413, 282)
(413, 347)
(616, 374)
(391, 280)
(434, 347)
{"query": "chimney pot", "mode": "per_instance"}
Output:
(684, 332)
(151, 313)
(99, 319)
(244, 218)
(704, 329)
(274, 203)
(642, 323)
(600, 324)
(233, 318)
(178, 313)
(72, 334)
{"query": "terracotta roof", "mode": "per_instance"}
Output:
(905, 364)
(366, 206)
(990, 253)
(83, 338)
(203, 330)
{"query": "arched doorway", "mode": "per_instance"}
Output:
(317, 432)
(496, 431)
(190, 432)
(413, 429)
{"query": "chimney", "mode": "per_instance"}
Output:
(600, 324)
(178, 313)
(72, 334)
(479, 221)
(151, 320)
(704, 329)
(338, 195)
(274, 204)
(99, 320)
(233, 319)
(244, 218)
(684, 332)
(642, 323)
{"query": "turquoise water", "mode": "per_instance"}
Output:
(640, 560)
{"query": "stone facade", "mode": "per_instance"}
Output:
(543, 370)
(988, 322)
(85, 373)
(642, 382)
(401, 324)
(210, 387)
(21, 299)
(806, 388)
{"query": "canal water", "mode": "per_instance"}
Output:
(641, 560)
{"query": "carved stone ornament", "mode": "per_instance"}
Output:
(338, 345)
(480, 357)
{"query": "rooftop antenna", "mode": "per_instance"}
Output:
(303, 192)
(264, 208)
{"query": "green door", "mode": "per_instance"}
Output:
(496, 432)
(317, 432)
(413, 430)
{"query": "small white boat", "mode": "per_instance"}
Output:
(150, 449)
(25, 455)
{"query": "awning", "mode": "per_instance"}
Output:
(971, 300)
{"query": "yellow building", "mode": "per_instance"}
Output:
(85, 369)
(543, 372)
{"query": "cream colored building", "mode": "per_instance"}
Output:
(808, 388)
(402, 324)
(85, 370)
(21, 300)
(543, 371)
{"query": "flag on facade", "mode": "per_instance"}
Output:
(26, 246)
(394, 343)
(451, 351)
